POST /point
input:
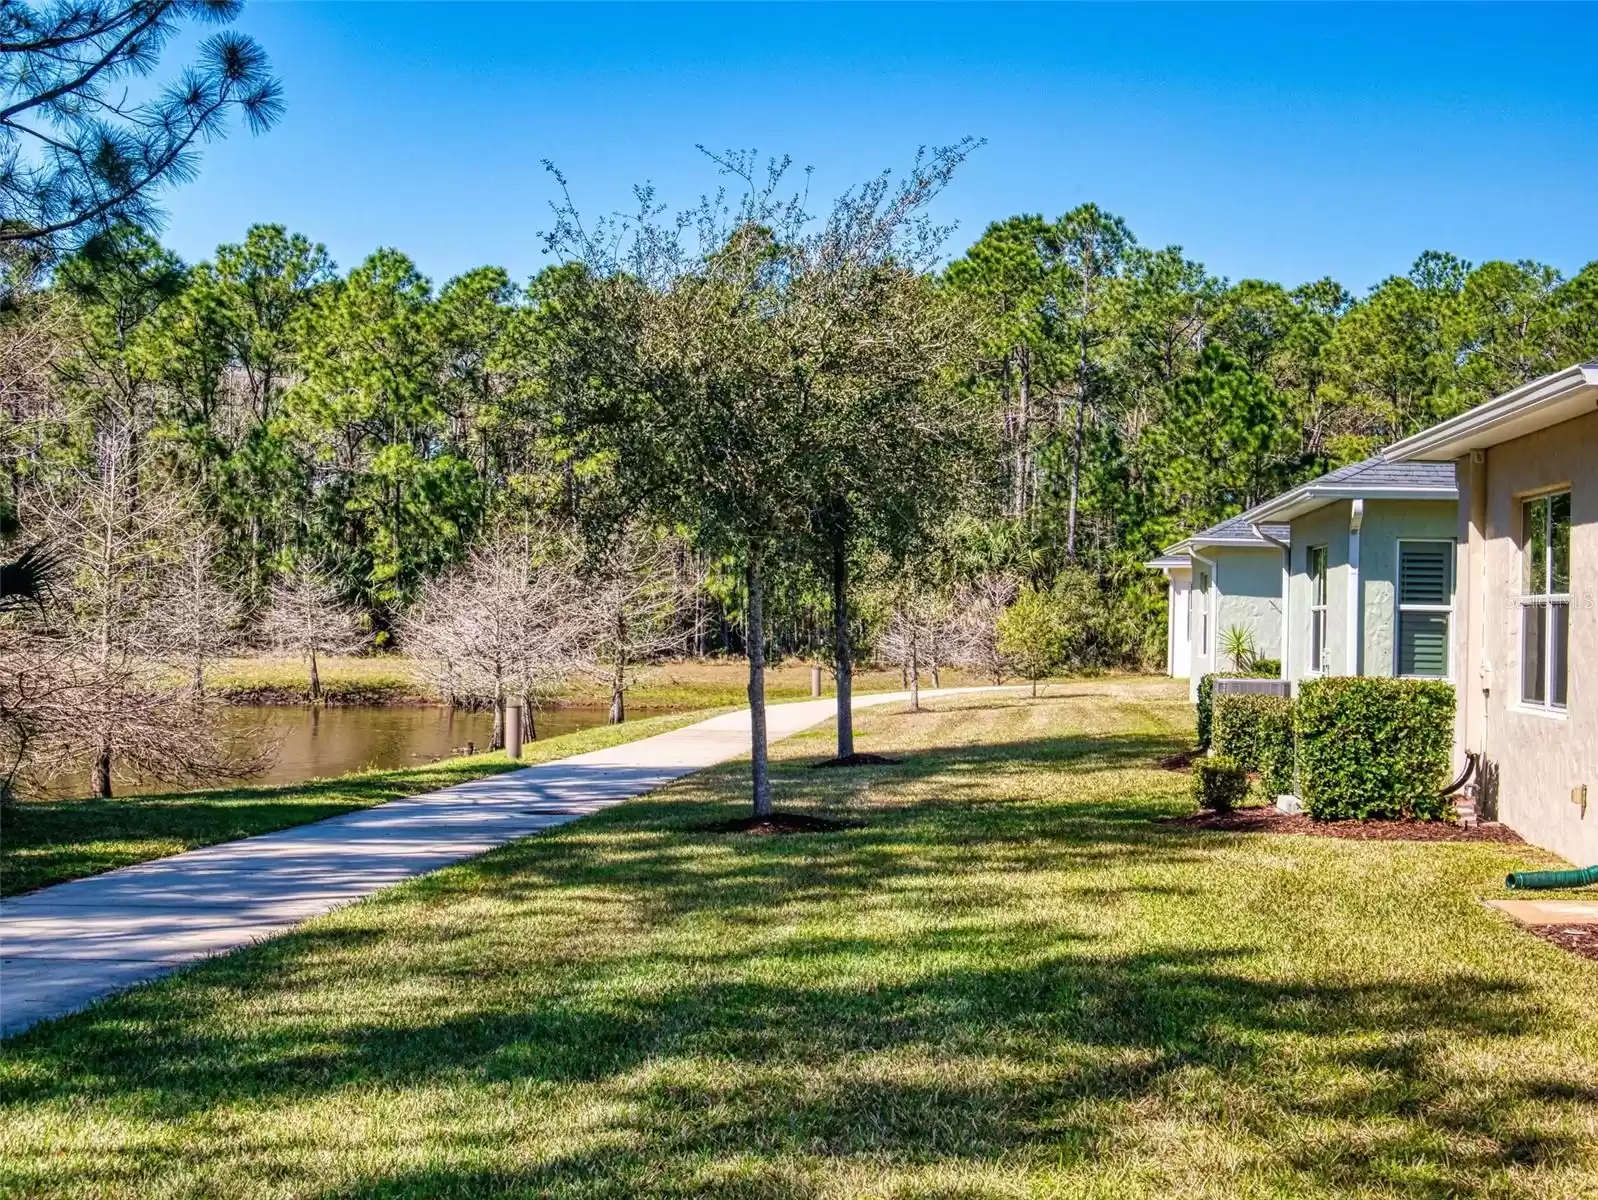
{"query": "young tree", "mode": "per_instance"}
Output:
(307, 617)
(917, 634)
(974, 639)
(511, 620)
(196, 619)
(639, 598)
(1033, 635)
(83, 149)
(716, 360)
(117, 537)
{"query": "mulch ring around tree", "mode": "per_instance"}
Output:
(1578, 939)
(857, 760)
(1266, 819)
(780, 822)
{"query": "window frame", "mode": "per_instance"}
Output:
(1319, 611)
(1400, 608)
(1547, 599)
(1204, 612)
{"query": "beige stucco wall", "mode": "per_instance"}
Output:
(1246, 590)
(1539, 757)
(1383, 525)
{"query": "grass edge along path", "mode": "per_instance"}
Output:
(1006, 977)
(44, 842)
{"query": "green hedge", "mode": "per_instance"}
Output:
(1257, 730)
(1206, 699)
(1267, 668)
(1374, 748)
(1219, 783)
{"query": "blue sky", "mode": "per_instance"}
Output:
(1279, 142)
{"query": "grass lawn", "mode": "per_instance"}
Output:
(51, 841)
(1004, 980)
(394, 679)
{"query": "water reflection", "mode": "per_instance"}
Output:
(315, 743)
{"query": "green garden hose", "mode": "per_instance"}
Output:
(1541, 880)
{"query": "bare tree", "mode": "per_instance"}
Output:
(511, 620)
(973, 638)
(308, 617)
(116, 540)
(917, 635)
(197, 619)
(642, 599)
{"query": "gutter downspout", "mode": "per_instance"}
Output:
(1356, 518)
(1287, 579)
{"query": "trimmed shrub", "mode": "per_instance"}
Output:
(1257, 731)
(1219, 783)
(1267, 668)
(1374, 748)
(1206, 699)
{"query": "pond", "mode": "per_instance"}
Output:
(314, 743)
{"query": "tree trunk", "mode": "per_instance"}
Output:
(755, 641)
(618, 706)
(842, 652)
(1076, 483)
(199, 677)
(618, 679)
(1023, 418)
(100, 773)
(1034, 688)
(316, 680)
(915, 676)
(496, 738)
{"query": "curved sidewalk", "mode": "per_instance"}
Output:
(64, 947)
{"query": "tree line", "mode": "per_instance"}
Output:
(693, 431)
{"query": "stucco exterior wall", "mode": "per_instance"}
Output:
(1384, 524)
(1327, 527)
(1539, 756)
(1246, 590)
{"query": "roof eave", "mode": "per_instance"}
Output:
(1291, 505)
(1551, 400)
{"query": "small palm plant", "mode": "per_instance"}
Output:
(1237, 643)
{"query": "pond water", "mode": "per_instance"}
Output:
(314, 743)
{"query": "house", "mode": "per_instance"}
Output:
(1228, 576)
(1368, 581)
(1525, 638)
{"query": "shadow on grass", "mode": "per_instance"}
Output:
(971, 1035)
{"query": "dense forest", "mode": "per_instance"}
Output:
(380, 426)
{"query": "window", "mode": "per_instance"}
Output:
(1545, 601)
(1425, 607)
(1315, 563)
(1204, 612)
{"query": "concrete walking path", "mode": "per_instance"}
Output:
(64, 947)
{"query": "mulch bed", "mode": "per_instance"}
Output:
(1268, 820)
(778, 823)
(858, 760)
(1578, 939)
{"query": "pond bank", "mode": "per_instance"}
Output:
(51, 841)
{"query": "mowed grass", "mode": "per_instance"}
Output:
(1006, 979)
(678, 684)
(51, 841)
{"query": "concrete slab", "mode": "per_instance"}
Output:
(1549, 912)
(64, 947)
